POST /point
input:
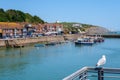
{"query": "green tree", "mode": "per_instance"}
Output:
(20, 16)
(36, 19)
(3, 16)
(15, 15)
(28, 18)
(12, 15)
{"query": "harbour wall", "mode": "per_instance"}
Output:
(111, 35)
(26, 41)
(58, 38)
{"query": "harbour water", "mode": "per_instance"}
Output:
(55, 62)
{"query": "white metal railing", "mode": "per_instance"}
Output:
(100, 73)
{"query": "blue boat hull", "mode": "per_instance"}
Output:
(84, 43)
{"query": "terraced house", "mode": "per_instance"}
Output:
(10, 29)
(19, 30)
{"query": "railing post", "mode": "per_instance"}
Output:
(100, 74)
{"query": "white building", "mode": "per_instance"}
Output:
(77, 25)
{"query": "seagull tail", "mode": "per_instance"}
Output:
(96, 65)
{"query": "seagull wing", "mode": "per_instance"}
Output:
(101, 62)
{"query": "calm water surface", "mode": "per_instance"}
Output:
(55, 62)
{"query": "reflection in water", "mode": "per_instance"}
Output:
(11, 61)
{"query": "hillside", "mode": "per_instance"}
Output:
(12, 15)
(96, 30)
(88, 28)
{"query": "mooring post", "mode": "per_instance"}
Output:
(20, 49)
(100, 74)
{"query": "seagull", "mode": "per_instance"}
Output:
(101, 61)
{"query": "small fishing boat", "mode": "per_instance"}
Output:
(84, 41)
(99, 39)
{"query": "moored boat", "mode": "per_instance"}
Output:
(84, 41)
(50, 44)
(99, 39)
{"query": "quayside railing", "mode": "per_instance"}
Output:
(95, 73)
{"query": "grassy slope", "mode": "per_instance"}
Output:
(85, 27)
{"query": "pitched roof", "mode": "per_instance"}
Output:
(10, 25)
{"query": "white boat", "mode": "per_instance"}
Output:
(84, 41)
